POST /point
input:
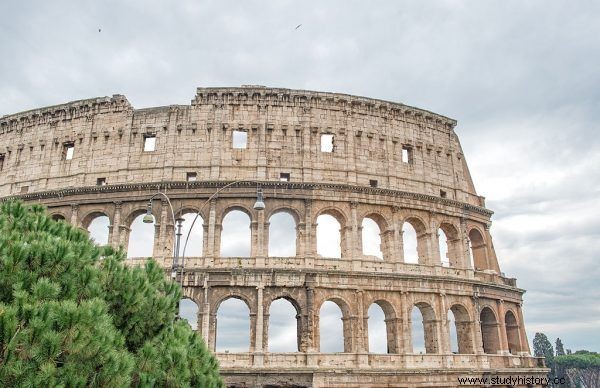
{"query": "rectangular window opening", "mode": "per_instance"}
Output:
(284, 177)
(326, 142)
(149, 143)
(24, 189)
(68, 150)
(406, 154)
(191, 177)
(240, 139)
(443, 194)
(1, 162)
(101, 182)
(373, 182)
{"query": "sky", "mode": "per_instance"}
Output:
(521, 78)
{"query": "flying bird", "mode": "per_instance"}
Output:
(298, 26)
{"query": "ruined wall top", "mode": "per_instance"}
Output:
(374, 143)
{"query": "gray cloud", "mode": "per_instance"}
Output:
(521, 78)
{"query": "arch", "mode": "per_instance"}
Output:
(58, 217)
(460, 330)
(141, 238)
(449, 238)
(99, 228)
(236, 233)
(512, 332)
(371, 238)
(233, 315)
(424, 328)
(329, 236)
(382, 319)
(188, 310)
(489, 331)
(283, 326)
(443, 245)
(410, 244)
(478, 249)
(282, 234)
(331, 328)
(196, 241)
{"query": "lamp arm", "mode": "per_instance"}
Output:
(198, 214)
(168, 201)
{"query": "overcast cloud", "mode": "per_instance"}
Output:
(520, 77)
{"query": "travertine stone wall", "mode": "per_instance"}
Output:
(111, 175)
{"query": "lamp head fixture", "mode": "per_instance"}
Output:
(259, 204)
(148, 217)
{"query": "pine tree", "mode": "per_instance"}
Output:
(543, 348)
(560, 349)
(70, 318)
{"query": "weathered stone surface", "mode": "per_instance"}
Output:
(432, 190)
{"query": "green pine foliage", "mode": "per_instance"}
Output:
(72, 314)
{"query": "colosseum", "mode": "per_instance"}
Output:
(310, 155)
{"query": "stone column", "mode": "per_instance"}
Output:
(309, 333)
(397, 248)
(477, 335)
(406, 324)
(354, 234)
(75, 215)
(115, 239)
(205, 312)
(211, 236)
(504, 348)
(434, 242)
(522, 333)
(258, 324)
(445, 341)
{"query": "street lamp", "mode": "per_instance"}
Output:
(177, 224)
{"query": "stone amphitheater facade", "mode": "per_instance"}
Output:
(390, 162)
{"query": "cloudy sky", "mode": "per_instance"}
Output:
(521, 78)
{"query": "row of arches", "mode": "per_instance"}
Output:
(284, 234)
(233, 328)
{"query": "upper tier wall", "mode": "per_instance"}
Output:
(283, 126)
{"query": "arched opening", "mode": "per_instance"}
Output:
(377, 327)
(282, 235)
(329, 239)
(424, 330)
(283, 327)
(489, 331)
(478, 250)
(58, 217)
(443, 244)
(512, 333)
(233, 326)
(450, 246)
(331, 328)
(409, 244)
(99, 229)
(236, 236)
(188, 310)
(452, 334)
(196, 240)
(141, 238)
(371, 238)
(460, 330)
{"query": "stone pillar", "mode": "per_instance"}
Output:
(434, 242)
(522, 333)
(406, 323)
(360, 328)
(310, 241)
(259, 341)
(300, 239)
(212, 240)
(354, 234)
(504, 348)
(445, 340)
(115, 239)
(309, 333)
(477, 335)
(75, 215)
(205, 313)
(212, 331)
